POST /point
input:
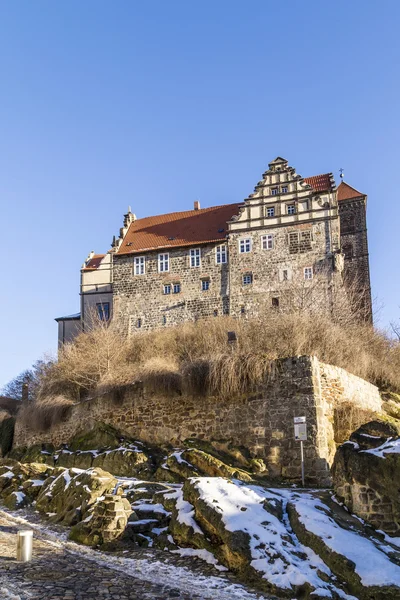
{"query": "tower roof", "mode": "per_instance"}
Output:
(346, 192)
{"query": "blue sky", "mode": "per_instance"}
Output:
(154, 104)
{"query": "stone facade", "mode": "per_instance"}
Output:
(140, 301)
(262, 423)
(354, 241)
(285, 247)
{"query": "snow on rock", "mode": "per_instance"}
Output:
(260, 543)
(372, 565)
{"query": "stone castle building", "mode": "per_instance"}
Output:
(293, 243)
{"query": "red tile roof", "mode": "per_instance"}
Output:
(320, 183)
(94, 262)
(191, 227)
(178, 229)
(346, 192)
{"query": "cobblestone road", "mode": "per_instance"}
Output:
(56, 573)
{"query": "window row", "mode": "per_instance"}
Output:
(290, 210)
(139, 263)
(175, 288)
(282, 190)
(308, 274)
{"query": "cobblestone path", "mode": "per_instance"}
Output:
(58, 573)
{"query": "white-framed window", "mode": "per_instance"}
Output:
(167, 288)
(195, 257)
(221, 254)
(245, 245)
(308, 272)
(284, 190)
(139, 265)
(291, 209)
(267, 241)
(163, 262)
(270, 212)
(205, 285)
(177, 288)
(247, 279)
(274, 191)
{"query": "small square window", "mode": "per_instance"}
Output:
(247, 279)
(195, 257)
(221, 254)
(284, 190)
(163, 263)
(308, 273)
(167, 289)
(291, 209)
(274, 192)
(103, 311)
(139, 265)
(267, 241)
(245, 245)
(205, 285)
(177, 288)
(270, 212)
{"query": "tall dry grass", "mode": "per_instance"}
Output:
(197, 358)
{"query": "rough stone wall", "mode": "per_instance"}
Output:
(278, 273)
(354, 243)
(262, 422)
(142, 296)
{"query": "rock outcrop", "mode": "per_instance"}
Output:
(366, 475)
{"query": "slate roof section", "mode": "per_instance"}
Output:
(178, 229)
(346, 192)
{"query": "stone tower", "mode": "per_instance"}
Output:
(354, 243)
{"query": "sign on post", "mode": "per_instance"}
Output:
(300, 435)
(300, 429)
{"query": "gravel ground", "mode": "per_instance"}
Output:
(61, 570)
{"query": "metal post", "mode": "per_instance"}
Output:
(24, 545)
(302, 462)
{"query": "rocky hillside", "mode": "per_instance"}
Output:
(207, 502)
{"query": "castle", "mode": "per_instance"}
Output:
(294, 241)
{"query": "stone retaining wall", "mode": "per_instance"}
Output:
(262, 423)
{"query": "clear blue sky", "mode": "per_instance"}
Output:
(156, 103)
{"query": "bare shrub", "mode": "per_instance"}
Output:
(45, 413)
(348, 417)
(197, 358)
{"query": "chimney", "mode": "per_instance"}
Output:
(196, 205)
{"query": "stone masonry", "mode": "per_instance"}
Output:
(294, 243)
(262, 423)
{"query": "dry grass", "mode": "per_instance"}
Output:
(348, 417)
(197, 358)
(45, 413)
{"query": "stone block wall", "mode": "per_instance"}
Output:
(261, 423)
